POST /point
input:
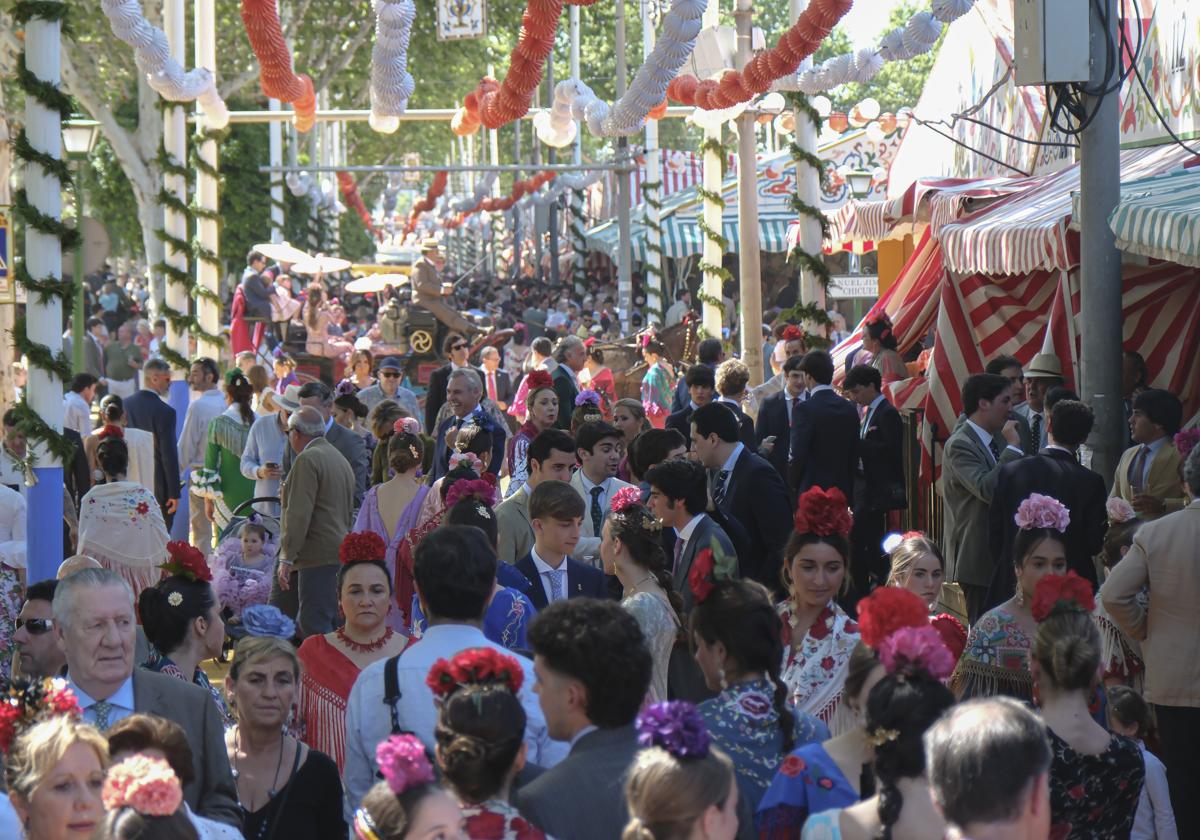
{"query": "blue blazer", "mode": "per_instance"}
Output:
(773, 421)
(145, 410)
(824, 449)
(583, 581)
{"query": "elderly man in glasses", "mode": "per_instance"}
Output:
(389, 388)
(38, 650)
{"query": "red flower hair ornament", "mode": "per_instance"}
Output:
(539, 379)
(1062, 593)
(477, 666)
(186, 561)
(362, 547)
(792, 333)
(823, 512)
(886, 610)
(25, 703)
(477, 488)
(111, 431)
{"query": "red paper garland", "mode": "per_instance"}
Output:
(795, 45)
(354, 201)
(435, 191)
(276, 76)
(520, 189)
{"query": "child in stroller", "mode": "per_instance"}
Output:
(242, 566)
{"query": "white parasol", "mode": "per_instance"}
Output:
(320, 264)
(282, 252)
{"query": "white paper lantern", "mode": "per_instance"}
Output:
(948, 11)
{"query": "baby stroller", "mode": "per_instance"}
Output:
(240, 583)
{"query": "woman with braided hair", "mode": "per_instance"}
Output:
(631, 549)
(480, 740)
(735, 634)
(900, 707)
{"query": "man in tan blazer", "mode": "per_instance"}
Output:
(1148, 473)
(317, 502)
(1164, 557)
(598, 447)
(551, 456)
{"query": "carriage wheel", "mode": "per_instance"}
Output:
(420, 341)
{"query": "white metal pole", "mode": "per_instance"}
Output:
(624, 200)
(749, 265)
(808, 184)
(174, 222)
(208, 272)
(656, 307)
(275, 141)
(43, 258)
(712, 255)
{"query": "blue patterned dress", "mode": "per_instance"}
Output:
(743, 722)
(808, 782)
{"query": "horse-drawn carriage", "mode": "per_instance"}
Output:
(624, 357)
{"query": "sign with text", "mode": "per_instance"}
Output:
(854, 286)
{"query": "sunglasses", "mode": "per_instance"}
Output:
(459, 347)
(389, 374)
(36, 626)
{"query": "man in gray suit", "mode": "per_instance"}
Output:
(593, 671)
(350, 444)
(96, 633)
(551, 456)
(971, 463)
(1043, 373)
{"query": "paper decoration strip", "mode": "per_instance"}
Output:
(276, 76)
(391, 83)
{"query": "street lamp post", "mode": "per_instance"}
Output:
(79, 137)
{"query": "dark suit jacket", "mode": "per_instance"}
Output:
(745, 426)
(706, 534)
(353, 449)
(256, 290)
(1052, 472)
(76, 475)
(435, 396)
(773, 421)
(566, 390)
(758, 499)
(595, 768)
(583, 581)
(212, 793)
(824, 451)
(682, 398)
(681, 421)
(882, 454)
(145, 410)
(441, 454)
(504, 388)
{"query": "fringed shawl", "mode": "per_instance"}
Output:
(815, 666)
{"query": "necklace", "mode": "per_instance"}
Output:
(369, 647)
(237, 773)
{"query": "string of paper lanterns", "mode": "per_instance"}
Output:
(917, 37)
(163, 73)
(391, 83)
(437, 189)
(795, 45)
(353, 200)
(483, 188)
(277, 78)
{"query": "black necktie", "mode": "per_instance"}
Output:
(597, 514)
(995, 448)
(1035, 431)
(718, 490)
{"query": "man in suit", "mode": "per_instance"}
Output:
(456, 349)
(701, 384)
(1010, 368)
(971, 464)
(463, 392)
(95, 626)
(710, 353)
(791, 344)
(678, 497)
(1043, 373)
(431, 293)
(555, 512)
(317, 509)
(825, 427)
(93, 347)
(746, 488)
(350, 444)
(598, 448)
(732, 378)
(551, 457)
(773, 429)
(593, 670)
(1056, 472)
(1163, 556)
(571, 356)
(146, 410)
(497, 386)
(1148, 472)
(878, 480)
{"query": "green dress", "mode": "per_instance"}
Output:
(221, 478)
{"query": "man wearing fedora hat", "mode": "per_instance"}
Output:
(1043, 373)
(430, 292)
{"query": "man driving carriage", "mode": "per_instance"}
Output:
(430, 292)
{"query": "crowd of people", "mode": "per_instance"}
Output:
(534, 607)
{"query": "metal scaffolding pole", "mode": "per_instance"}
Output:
(208, 273)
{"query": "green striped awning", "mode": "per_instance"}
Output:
(1159, 217)
(682, 237)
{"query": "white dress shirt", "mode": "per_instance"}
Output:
(121, 700)
(731, 461)
(605, 489)
(544, 569)
(194, 437)
(77, 414)
(368, 721)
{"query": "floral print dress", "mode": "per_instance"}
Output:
(996, 659)
(497, 820)
(1094, 797)
(657, 393)
(815, 664)
(808, 781)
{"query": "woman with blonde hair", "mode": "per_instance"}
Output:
(918, 566)
(680, 787)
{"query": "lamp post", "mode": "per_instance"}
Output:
(860, 182)
(79, 137)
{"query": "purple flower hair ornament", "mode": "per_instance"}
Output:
(345, 388)
(1040, 511)
(403, 763)
(1186, 440)
(914, 649)
(676, 726)
(587, 397)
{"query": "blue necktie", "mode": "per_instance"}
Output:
(556, 584)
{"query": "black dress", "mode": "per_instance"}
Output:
(313, 807)
(1094, 797)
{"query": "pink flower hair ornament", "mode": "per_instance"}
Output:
(1040, 511)
(911, 650)
(1119, 510)
(1186, 441)
(624, 499)
(468, 458)
(147, 785)
(407, 426)
(403, 763)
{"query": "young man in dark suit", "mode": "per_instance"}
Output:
(556, 513)
(701, 383)
(824, 451)
(146, 410)
(709, 353)
(878, 480)
(746, 488)
(456, 349)
(774, 427)
(1054, 471)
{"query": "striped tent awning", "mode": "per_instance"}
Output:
(1159, 217)
(682, 236)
